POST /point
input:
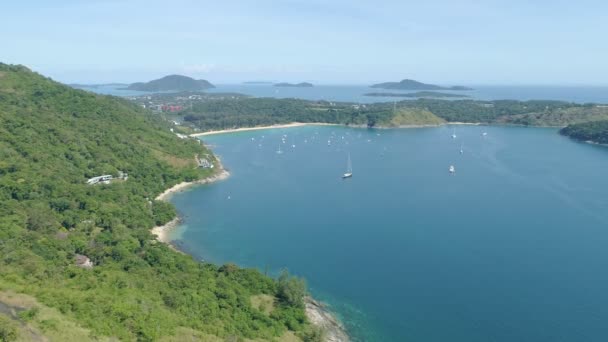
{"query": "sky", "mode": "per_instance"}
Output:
(468, 42)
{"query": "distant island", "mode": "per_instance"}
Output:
(172, 83)
(418, 94)
(294, 85)
(415, 85)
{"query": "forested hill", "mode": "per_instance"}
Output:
(246, 112)
(52, 139)
(594, 131)
(172, 83)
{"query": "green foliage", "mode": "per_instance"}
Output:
(313, 334)
(28, 315)
(8, 329)
(237, 112)
(595, 131)
(246, 112)
(52, 139)
(291, 290)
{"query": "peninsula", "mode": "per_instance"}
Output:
(81, 255)
(593, 132)
(408, 84)
(172, 83)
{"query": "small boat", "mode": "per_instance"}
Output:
(452, 169)
(349, 169)
(484, 134)
(279, 150)
(461, 148)
(454, 134)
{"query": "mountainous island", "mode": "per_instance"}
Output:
(418, 94)
(408, 84)
(79, 262)
(294, 85)
(172, 83)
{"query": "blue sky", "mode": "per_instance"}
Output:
(448, 42)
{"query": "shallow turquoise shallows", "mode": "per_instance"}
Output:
(512, 247)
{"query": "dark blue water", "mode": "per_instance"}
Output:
(513, 247)
(355, 93)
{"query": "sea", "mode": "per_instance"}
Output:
(510, 247)
(356, 93)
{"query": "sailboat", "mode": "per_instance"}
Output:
(452, 169)
(349, 169)
(461, 148)
(454, 134)
(279, 150)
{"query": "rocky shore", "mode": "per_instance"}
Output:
(320, 316)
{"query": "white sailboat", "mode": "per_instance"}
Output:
(454, 134)
(279, 150)
(461, 148)
(349, 169)
(452, 169)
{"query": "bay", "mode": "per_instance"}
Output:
(510, 248)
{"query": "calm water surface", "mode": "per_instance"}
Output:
(355, 93)
(513, 247)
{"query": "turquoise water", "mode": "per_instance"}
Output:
(513, 247)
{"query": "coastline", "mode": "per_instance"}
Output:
(163, 232)
(316, 312)
(256, 128)
(300, 124)
(321, 317)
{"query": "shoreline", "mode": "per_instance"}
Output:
(301, 124)
(316, 312)
(163, 232)
(256, 128)
(318, 315)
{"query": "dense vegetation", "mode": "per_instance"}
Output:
(52, 139)
(244, 112)
(595, 131)
(172, 83)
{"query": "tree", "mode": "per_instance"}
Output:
(291, 290)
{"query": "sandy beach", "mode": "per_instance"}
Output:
(243, 129)
(163, 233)
(316, 312)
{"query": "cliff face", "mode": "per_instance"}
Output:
(318, 315)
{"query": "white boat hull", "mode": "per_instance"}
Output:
(347, 175)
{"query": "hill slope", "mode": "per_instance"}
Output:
(52, 139)
(594, 131)
(172, 83)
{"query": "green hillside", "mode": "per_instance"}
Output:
(594, 131)
(52, 139)
(413, 117)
